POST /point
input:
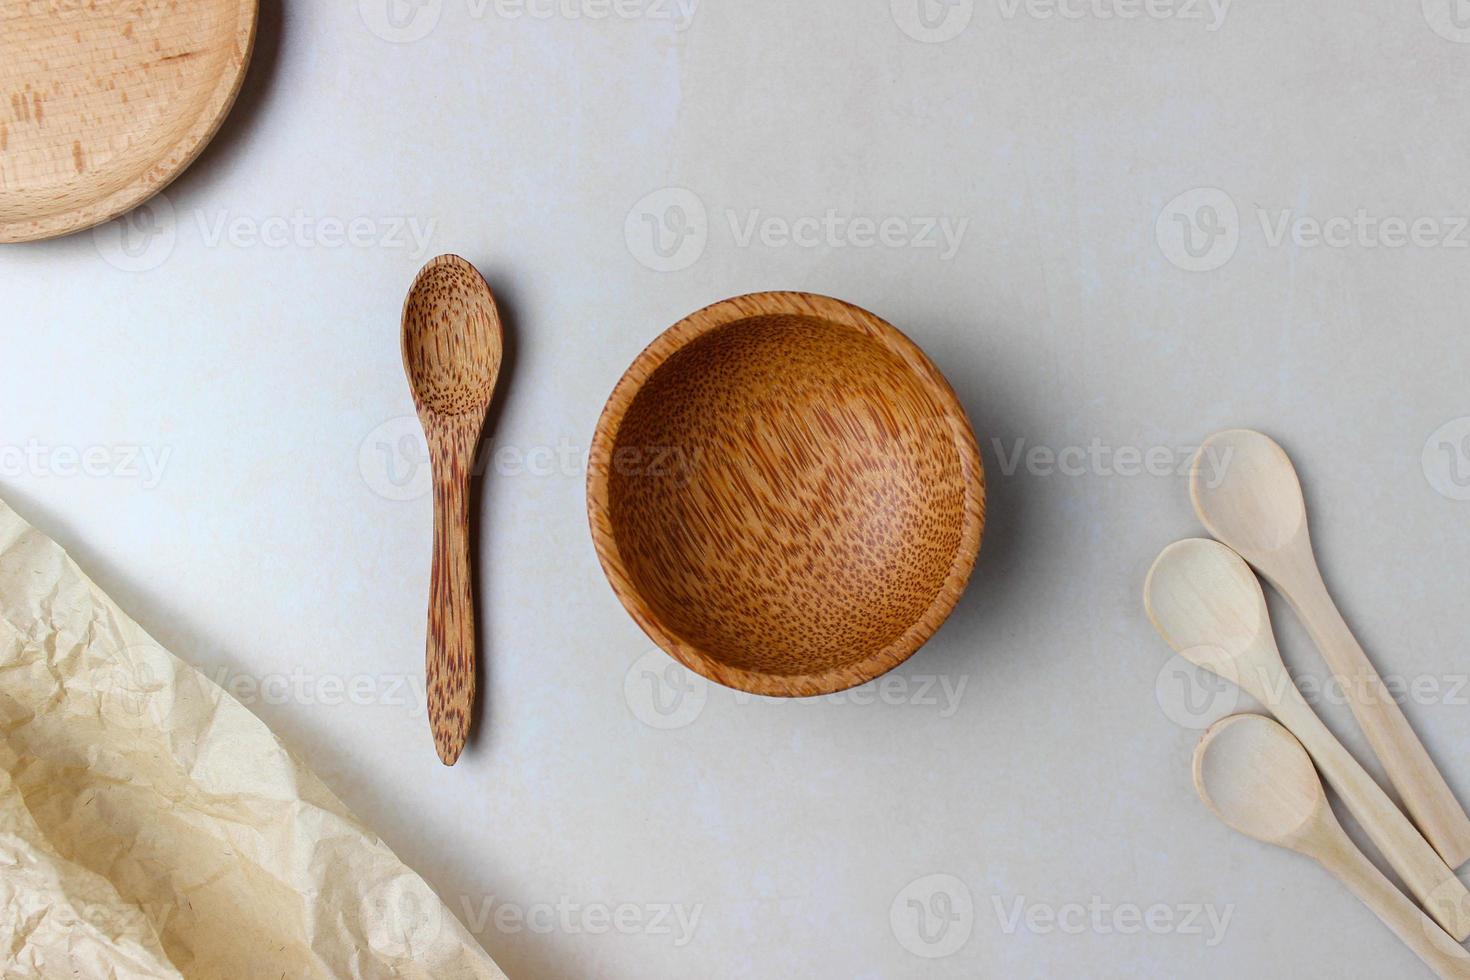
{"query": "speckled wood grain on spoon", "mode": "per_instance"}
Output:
(452, 347)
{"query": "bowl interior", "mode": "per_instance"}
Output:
(787, 495)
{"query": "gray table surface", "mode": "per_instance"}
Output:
(1117, 226)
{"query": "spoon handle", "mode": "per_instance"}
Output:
(1420, 784)
(451, 643)
(1429, 942)
(1423, 871)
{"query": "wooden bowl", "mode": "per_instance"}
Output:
(785, 494)
(108, 102)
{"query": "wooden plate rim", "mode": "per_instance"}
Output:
(599, 517)
(166, 167)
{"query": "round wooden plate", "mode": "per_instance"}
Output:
(103, 102)
(785, 494)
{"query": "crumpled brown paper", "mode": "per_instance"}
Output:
(151, 826)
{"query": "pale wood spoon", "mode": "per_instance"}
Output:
(1258, 780)
(1249, 497)
(1206, 603)
(451, 351)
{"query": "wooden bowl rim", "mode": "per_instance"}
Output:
(680, 335)
(165, 167)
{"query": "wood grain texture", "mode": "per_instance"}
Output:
(452, 348)
(1259, 781)
(1258, 510)
(1206, 603)
(786, 494)
(103, 102)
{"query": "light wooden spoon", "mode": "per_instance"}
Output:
(1206, 603)
(451, 352)
(1247, 493)
(1256, 778)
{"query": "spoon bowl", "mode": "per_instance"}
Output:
(452, 341)
(785, 494)
(1258, 779)
(1250, 497)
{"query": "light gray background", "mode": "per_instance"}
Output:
(233, 337)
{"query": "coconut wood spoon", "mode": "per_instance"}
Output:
(1206, 603)
(451, 352)
(1258, 781)
(1250, 498)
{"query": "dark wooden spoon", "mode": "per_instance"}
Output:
(451, 352)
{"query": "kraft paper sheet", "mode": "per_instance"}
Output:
(151, 826)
